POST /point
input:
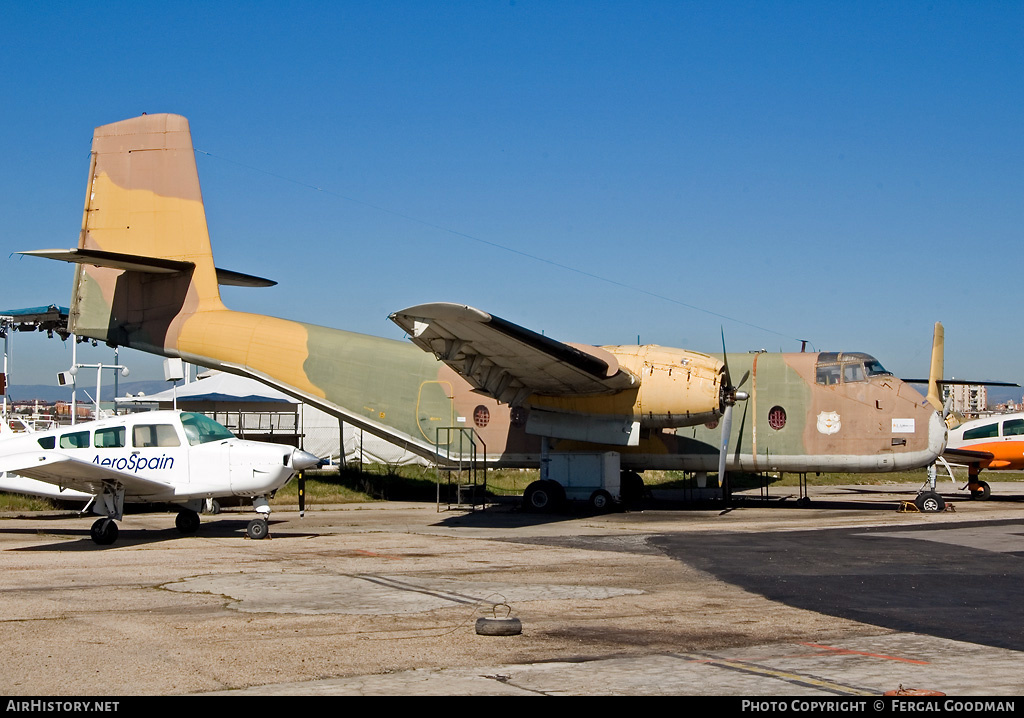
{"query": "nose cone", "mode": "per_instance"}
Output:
(302, 460)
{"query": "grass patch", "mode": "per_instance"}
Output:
(17, 502)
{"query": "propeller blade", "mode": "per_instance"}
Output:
(725, 361)
(723, 454)
(746, 375)
(302, 494)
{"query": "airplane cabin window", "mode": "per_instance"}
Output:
(148, 435)
(77, 440)
(48, 442)
(1013, 427)
(987, 431)
(112, 438)
(201, 429)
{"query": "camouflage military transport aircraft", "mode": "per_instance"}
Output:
(145, 279)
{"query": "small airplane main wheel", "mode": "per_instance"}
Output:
(187, 522)
(257, 529)
(104, 531)
(980, 490)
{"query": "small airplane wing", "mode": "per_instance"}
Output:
(966, 457)
(59, 469)
(506, 361)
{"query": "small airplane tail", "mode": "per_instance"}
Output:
(144, 261)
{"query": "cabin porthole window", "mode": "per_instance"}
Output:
(777, 417)
(481, 416)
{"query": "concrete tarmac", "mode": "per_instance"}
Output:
(850, 596)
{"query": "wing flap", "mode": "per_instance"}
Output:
(61, 470)
(506, 361)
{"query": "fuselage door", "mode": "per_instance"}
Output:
(435, 410)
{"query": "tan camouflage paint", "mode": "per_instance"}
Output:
(144, 199)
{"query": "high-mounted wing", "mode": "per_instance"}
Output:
(59, 469)
(507, 361)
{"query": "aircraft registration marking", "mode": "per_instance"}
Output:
(903, 426)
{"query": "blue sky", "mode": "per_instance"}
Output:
(843, 172)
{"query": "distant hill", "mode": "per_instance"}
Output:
(50, 393)
(1003, 394)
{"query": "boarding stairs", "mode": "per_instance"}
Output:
(461, 468)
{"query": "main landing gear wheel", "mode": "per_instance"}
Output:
(257, 529)
(930, 502)
(104, 531)
(631, 487)
(543, 496)
(187, 522)
(980, 490)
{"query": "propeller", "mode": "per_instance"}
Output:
(730, 395)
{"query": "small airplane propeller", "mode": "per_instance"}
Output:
(730, 395)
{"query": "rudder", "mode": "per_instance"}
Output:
(144, 258)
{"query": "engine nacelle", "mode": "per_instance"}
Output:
(674, 388)
(677, 387)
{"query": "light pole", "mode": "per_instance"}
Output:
(73, 371)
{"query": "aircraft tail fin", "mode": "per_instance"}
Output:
(935, 374)
(144, 261)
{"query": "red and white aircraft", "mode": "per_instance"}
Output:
(993, 443)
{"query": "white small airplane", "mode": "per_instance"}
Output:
(175, 457)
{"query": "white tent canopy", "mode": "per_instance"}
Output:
(322, 433)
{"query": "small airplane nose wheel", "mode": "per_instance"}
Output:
(257, 529)
(930, 502)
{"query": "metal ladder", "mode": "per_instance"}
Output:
(457, 449)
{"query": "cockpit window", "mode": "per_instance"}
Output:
(833, 367)
(874, 367)
(853, 371)
(986, 431)
(827, 374)
(201, 429)
(1013, 427)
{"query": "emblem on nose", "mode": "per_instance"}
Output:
(828, 422)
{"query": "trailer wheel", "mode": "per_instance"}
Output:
(543, 496)
(601, 500)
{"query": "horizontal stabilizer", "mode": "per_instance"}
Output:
(146, 265)
(961, 382)
(114, 260)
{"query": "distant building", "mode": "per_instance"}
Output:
(968, 399)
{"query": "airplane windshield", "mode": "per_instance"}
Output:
(847, 367)
(201, 429)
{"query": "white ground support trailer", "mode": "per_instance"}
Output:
(576, 476)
